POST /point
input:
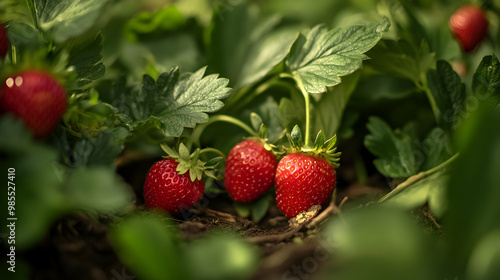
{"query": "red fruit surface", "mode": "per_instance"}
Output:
(4, 41)
(303, 181)
(37, 98)
(166, 189)
(470, 26)
(249, 171)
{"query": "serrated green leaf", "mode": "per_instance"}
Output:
(320, 57)
(436, 148)
(486, 80)
(448, 92)
(85, 60)
(191, 100)
(169, 103)
(65, 19)
(395, 151)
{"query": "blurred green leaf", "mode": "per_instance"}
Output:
(245, 46)
(473, 189)
(329, 109)
(96, 189)
(401, 59)
(37, 187)
(448, 92)
(260, 207)
(220, 256)
(147, 244)
(380, 243)
(486, 79)
(320, 57)
(168, 18)
(98, 151)
(65, 19)
(395, 151)
(85, 60)
(430, 189)
(484, 263)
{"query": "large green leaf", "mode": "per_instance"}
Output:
(98, 151)
(396, 151)
(486, 80)
(170, 104)
(65, 19)
(448, 92)
(320, 57)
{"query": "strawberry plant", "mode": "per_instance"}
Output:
(202, 139)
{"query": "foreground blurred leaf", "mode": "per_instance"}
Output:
(96, 189)
(147, 244)
(220, 256)
(380, 243)
(320, 57)
(473, 190)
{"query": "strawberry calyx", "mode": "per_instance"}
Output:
(260, 134)
(190, 162)
(323, 149)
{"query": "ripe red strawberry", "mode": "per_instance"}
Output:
(470, 26)
(175, 184)
(165, 188)
(303, 181)
(249, 171)
(37, 98)
(4, 41)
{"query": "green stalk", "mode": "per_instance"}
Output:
(307, 99)
(195, 137)
(415, 178)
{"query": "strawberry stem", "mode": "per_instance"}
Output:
(307, 99)
(195, 136)
(212, 150)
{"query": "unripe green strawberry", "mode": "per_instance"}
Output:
(37, 98)
(303, 181)
(470, 26)
(165, 188)
(249, 171)
(4, 41)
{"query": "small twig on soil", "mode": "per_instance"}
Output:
(225, 216)
(275, 238)
(332, 209)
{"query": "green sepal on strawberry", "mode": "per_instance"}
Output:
(176, 183)
(306, 176)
